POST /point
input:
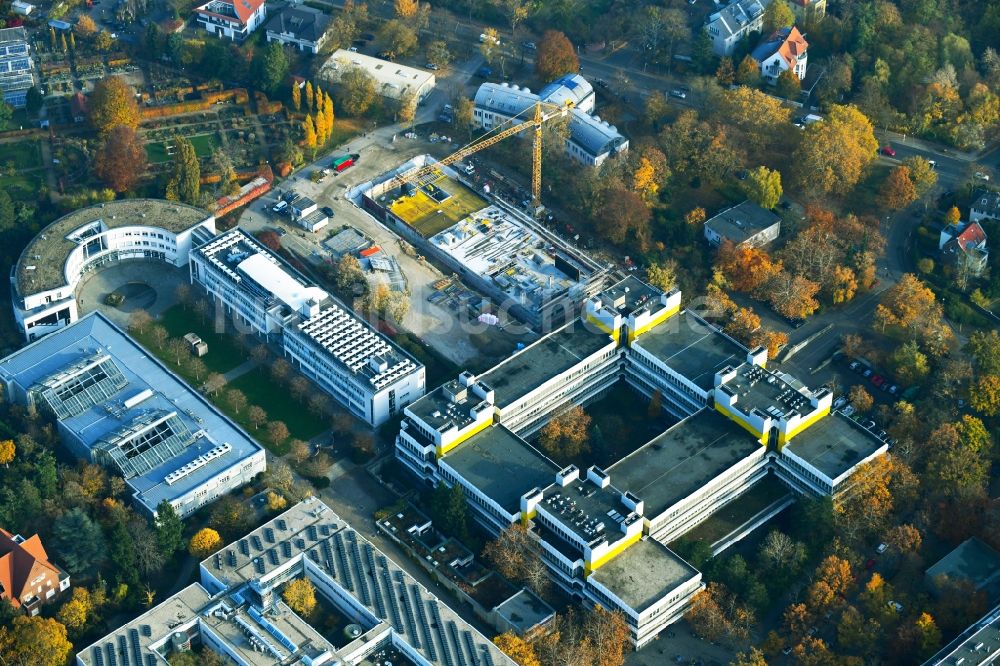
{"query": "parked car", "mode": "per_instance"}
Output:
(529, 45)
(867, 373)
(982, 176)
(888, 150)
(847, 411)
(878, 380)
(894, 389)
(483, 37)
(327, 211)
(882, 547)
(484, 72)
(855, 365)
(679, 94)
(279, 207)
(280, 231)
(839, 402)
(432, 66)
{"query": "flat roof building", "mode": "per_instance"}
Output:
(116, 405)
(739, 422)
(972, 562)
(54, 262)
(392, 80)
(744, 224)
(16, 65)
(365, 371)
(236, 611)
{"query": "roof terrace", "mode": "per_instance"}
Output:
(773, 393)
(587, 510)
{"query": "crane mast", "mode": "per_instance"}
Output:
(541, 116)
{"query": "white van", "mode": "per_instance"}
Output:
(279, 207)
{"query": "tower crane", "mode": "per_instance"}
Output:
(543, 112)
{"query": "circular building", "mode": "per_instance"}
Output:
(49, 271)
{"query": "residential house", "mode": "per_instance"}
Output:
(785, 49)
(300, 26)
(964, 244)
(232, 19)
(15, 66)
(743, 224)
(734, 22)
(27, 578)
(985, 205)
(807, 10)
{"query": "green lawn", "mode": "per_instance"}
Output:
(260, 390)
(21, 155)
(203, 144)
(224, 352)
(21, 187)
(737, 512)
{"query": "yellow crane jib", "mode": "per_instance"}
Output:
(544, 112)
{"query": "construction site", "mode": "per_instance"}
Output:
(495, 247)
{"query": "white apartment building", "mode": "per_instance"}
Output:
(603, 534)
(734, 22)
(51, 267)
(358, 366)
(231, 19)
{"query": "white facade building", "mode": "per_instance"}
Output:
(357, 365)
(734, 22)
(232, 19)
(603, 534)
(117, 406)
(392, 80)
(236, 609)
(784, 50)
(591, 140)
(299, 26)
(50, 268)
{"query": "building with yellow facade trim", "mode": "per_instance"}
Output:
(603, 533)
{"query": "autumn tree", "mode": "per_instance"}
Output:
(406, 8)
(780, 554)
(7, 451)
(909, 363)
(726, 73)
(75, 612)
(399, 37)
(608, 632)
(831, 582)
(715, 613)
(792, 296)
(300, 595)
(758, 119)
(296, 96)
(746, 268)
(778, 15)
(236, 400)
(356, 92)
(662, 275)
(911, 307)
(566, 436)
(860, 399)
(516, 556)
(85, 26)
(309, 132)
(866, 509)
(748, 73)
(922, 174)
(985, 395)
(788, 85)
(743, 323)
(310, 96)
(277, 432)
(984, 347)
(34, 641)
(518, 649)
(856, 632)
(121, 160)
(752, 658)
(185, 180)
(897, 190)
(205, 542)
(958, 461)
(624, 218)
(112, 104)
(835, 153)
(555, 56)
(763, 187)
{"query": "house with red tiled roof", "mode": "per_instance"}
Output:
(232, 19)
(785, 49)
(965, 244)
(27, 578)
